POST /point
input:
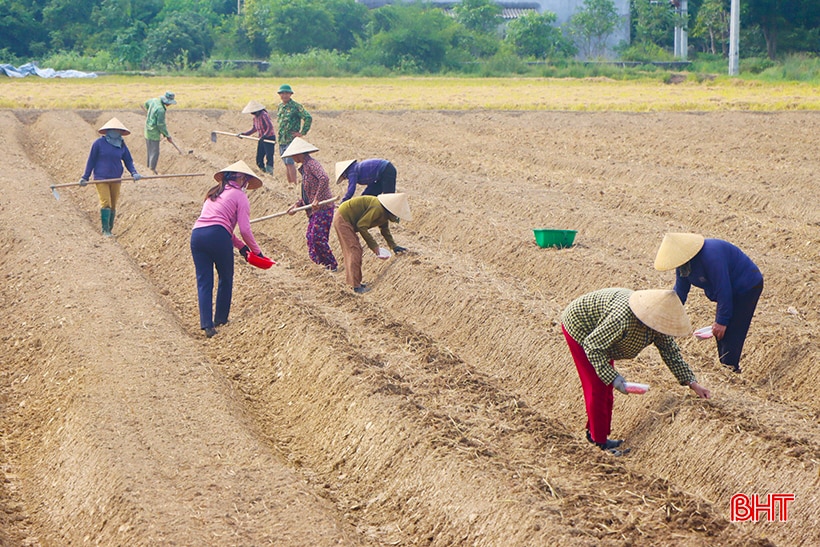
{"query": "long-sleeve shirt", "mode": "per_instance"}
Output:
(263, 125)
(231, 208)
(605, 326)
(106, 160)
(363, 172)
(315, 184)
(365, 212)
(292, 117)
(723, 271)
(155, 119)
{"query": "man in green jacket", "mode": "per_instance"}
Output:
(356, 216)
(294, 121)
(155, 127)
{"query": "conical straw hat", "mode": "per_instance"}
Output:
(240, 167)
(252, 107)
(660, 310)
(113, 123)
(341, 167)
(677, 249)
(298, 146)
(396, 204)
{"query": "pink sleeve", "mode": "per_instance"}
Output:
(243, 220)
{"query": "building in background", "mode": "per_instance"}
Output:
(563, 10)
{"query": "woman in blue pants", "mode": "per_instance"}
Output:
(213, 241)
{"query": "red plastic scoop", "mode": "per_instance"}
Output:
(262, 262)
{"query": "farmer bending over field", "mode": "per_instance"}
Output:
(726, 275)
(263, 125)
(294, 121)
(155, 127)
(105, 161)
(609, 324)
(356, 216)
(213, 240)
(379, 176)
(315, 188)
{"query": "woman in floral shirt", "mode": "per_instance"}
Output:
(315, 188)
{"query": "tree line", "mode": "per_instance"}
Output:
(412, 37)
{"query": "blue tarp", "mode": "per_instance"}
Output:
(31, 68)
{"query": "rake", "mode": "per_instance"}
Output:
(215, 133)
(56, 194)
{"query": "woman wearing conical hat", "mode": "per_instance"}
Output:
(378, 176)
(315, 188)
(263, 125)
(612, 324)
(105, 161)
(726, 275)
(213, 241)
(355, 217)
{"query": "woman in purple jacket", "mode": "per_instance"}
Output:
(213, 241)
(377, 175)
(726, 275)
(105, 161)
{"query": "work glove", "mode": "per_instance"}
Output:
(260, 255)
(620, 384)
(244, 251)
(239, 135)
(136, 175)
(398, 249)
(83, 181)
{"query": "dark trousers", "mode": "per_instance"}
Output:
(743, 309)
(212, 246)
(264, 153)
(385, 183)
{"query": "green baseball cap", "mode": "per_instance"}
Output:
(285, 88)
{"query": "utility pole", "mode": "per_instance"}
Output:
(734, 37)
(681, 29)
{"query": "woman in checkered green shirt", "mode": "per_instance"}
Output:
(610, 324)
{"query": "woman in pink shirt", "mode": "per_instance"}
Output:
(213, 240)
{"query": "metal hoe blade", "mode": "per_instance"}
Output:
(55, 193)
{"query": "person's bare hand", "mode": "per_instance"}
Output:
(701, 391)
(718, 331)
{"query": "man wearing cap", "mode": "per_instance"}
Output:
(378, 175)
(105, 161)
(726, 275)
(356, 216)
(263, 125)
(315, 188)
(155, 127)
(610, 324)
(294, 121)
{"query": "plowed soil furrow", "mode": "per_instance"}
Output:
(441, 408)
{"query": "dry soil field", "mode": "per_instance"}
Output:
(442, 407)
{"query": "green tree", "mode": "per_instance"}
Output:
(592, 26)
(479, 15)
(712, 26)
(534, 35)
(20, 31)
(179, 40)
(652, 23)
(411, 38)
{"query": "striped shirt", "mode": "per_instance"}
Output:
(605, 326)
(263, 125)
